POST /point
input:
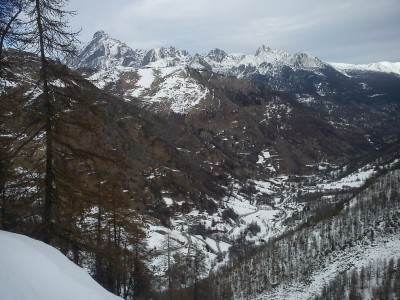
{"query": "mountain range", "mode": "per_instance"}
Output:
(104, 51)
(168, 80)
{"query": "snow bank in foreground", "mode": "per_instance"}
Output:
(30, 269)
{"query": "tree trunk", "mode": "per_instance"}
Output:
(49, 176)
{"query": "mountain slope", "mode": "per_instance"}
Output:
(161, 90)
(351, 235)
(231, 110)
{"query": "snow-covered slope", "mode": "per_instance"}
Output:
(363, 232)
(32, 270)
(383, 66)
(360, 256)
(160, 89)
(176, 91)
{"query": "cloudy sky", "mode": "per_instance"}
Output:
(352, 31)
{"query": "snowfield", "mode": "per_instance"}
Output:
(32, 270)
(383, 66)
(353, 180)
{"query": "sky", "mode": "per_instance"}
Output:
(349, 31)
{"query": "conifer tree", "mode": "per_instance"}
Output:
(50, 38)
(168, 246)
(10, 24)
(196, 263)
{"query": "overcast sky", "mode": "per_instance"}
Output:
(352, 31)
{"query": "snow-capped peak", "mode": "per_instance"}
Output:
(103, 52)
(264, 50)
(305, 60)
(266, 54)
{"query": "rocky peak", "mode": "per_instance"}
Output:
(217, 55)
(166, 57)
(306, 60)
(262, 50)
(100, 34)
(265, 54)
(169, 52)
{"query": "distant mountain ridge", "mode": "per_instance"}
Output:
(383, 66)
(103, 52)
